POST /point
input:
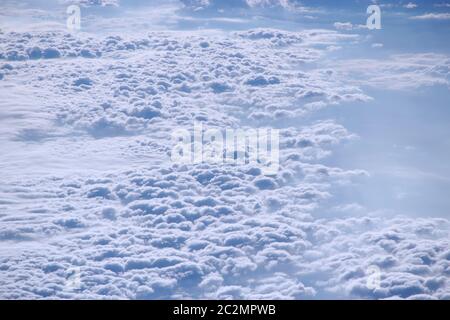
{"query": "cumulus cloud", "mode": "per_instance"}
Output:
(92, 207)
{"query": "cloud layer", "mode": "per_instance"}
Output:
(92, 207)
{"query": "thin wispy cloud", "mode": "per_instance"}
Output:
(432, 16)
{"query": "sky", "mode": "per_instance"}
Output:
(93, 206)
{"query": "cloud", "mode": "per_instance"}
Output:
(432, 16)
(348, 26)
(92, 3)
(343, 25)
(442, 5)
(410, 5)
(89, 190)
(397, 72)
(243, 4)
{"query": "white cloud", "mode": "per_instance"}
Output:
(90, 3)
(397, 72)
(432, 16)
(410, 5)
(343, 25)
(87, 183)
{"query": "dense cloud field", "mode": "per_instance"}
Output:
(91, 205)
